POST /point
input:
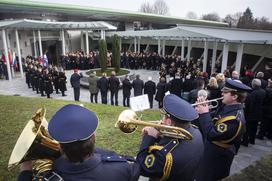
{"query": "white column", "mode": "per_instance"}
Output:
(6, 53)
(175, 49)
(40, 43)
(189, 49)
(163, 47)
(63, 42)
(239, 57)
(205, 56)
(34, 43)
(19, 53)
(159, 46)
(225, 57)
(182, 49)
(135, 44)
(7, 38)
(82, 40)
(87, 42)
(103, 35)
(214, 56)
(139, 44)
(147, 47)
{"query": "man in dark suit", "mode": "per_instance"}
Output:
(75, 82)
(114, 88)
(103, 85)
(127, 86)
(150, 90)
(138, 86)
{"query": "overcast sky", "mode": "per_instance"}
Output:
(181, 7)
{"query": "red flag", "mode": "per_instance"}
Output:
(10, 57)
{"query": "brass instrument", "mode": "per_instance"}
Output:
(210, 103)
(128, 122)
(35, 143)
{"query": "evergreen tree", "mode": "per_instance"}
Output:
(246, 20)
(116, 53)
(103, 55)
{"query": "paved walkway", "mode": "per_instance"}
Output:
(245, 157)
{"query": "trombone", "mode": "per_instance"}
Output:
(210, 102)
(128, 122)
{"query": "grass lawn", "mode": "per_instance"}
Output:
(15, 112)
(108, 71)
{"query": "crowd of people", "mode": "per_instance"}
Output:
(242, 114)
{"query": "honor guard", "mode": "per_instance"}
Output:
(169, 158)
(222, 132)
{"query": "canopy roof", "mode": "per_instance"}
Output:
(201, 33)
(67, 10)
(49, 25)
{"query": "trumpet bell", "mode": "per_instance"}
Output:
(123, 121)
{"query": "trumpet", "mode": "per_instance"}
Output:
(210, 102)
(128, 122)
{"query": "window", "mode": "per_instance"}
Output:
(14, 44)
(25, 43)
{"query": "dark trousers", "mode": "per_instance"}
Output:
(160, 104)
(115, 95)
(150, 99)
(104, 98)
(265, 128)
(250, 134)
(63, 93)
(76, 93)
(126, 100)
(93, 97)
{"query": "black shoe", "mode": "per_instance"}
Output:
(64, 95)
(244, 144)
(57, 92)
(43, 95)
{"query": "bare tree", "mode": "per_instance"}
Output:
(191, 15)
(146, 8)
(232, 19)
(160, 7)
(211, 17)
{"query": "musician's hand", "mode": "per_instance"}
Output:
(151, 131)
(201, 108)
(27, 165)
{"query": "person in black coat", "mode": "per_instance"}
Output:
(175, 86)
(161, 89)
(27, 71)
(55, 76)
(138, 86)
(253, 111)
(62, 82)
(41, 82)
(114, 84)
(48, 83)
(266, 124)
(75, 82)
(127, 86)
(103, 85)
(150, 90)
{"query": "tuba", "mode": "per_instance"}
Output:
(34, 143)
(128, 122)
